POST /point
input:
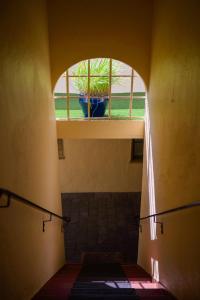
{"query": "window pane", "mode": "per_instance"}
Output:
(100, 66)
(120, 68)
(75, 109)
(78, 85)
(121, 85)
(138, 85)
(61, 108)
(60, 85)
(78, 69)
(99, 86)
(138, 104)
(138, 108)
(120, 107)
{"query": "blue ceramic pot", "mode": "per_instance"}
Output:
(97, 106)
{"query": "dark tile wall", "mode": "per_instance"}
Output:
(101, 222)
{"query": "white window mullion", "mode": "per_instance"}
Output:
(131, 95)
(110, 89)
(88, 94)
(68, 99)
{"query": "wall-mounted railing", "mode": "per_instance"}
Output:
(12, 196)
(168, 211)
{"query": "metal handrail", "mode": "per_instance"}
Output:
(186, 206)
(10, 195)
(175, 209)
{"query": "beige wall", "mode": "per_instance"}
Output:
(28, 153)
(175, 118)
(99, 166)
(99, 29)
(107, 129)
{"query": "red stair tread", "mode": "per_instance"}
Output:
(59, 286)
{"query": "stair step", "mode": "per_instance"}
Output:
(103, 297)
(103, 278)
(154, 294)
(102, 285)
(100, 291)
(102, 282)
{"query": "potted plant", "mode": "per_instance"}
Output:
(99, 86)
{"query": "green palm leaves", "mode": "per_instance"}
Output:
(99, 86)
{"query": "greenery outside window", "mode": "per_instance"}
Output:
(114, 80)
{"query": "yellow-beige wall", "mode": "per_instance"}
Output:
(106, 29)
(107, 129)
(99, 166)
(28, 151)
(89, 28)
(175, 117)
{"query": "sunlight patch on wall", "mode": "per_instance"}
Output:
(150, 173)
(155, 269)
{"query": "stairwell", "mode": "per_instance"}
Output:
(101, 282)
(102, 270)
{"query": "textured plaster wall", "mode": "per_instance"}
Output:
(89, 28)
(98, 129)
(99, 166)
(28, 151)
(175, 117)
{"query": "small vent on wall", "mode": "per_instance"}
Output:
(61, 154)
(137, 150)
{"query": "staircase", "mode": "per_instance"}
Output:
(113, 281)
(103, 282)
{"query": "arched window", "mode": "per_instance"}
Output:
(100, 88)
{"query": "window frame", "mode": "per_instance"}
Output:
(110, 96)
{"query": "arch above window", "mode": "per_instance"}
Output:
(100, 88)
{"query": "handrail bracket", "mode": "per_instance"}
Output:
(8, 199)
(160, 223)
(8, 196)
(45, 221)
